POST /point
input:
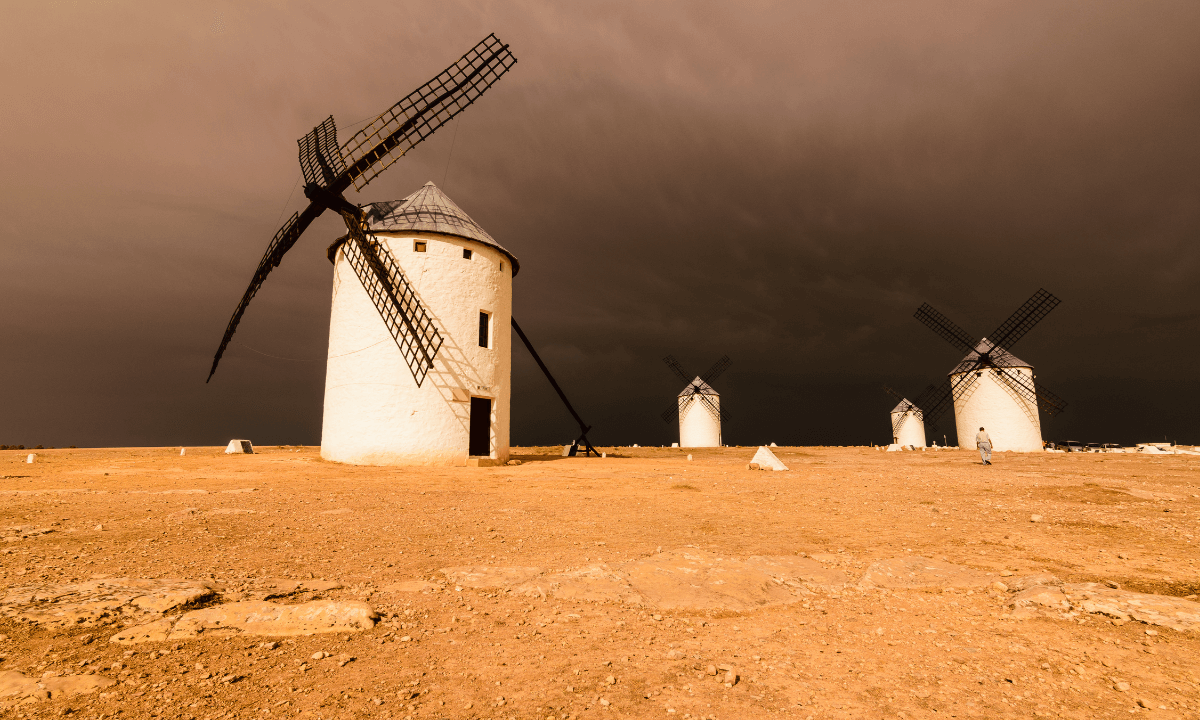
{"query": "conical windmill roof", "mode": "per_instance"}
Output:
(430, 210)
(698, 386)
(1000, 358)
(903, 406)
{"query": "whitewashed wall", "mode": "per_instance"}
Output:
(697, 426)
(912, 432)
(1012, 424)
(374, 412)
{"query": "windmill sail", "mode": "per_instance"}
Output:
(403, 126)
(330, 170)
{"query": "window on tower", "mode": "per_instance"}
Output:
(466, 254)
(418, 246)
(485, 329)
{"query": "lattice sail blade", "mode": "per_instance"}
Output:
(671, 413)
(935, 401)
(1024, 319)
(672, 363)
(1048, 402)
(283, 241)
(406, 319)
(893, 393)
(1018, 383)
(320, 157)
(717, 413)
(945, 329)
(718, 367)
(403, 126)
(897, 423)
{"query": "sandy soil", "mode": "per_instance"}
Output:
(493, 640)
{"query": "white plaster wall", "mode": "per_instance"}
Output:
(697, 426)
(374, 412)
(1012, 424)
(912, 432)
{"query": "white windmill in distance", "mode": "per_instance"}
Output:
(908, 422)
(698, 406)
(990, 387)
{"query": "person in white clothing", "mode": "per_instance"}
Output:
(984, 443)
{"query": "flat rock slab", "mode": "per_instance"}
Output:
(15, 687)
(255, 617)
(485, 577)
(1172, 612)
(918, 573)
(699, 580)
(793, 570)
(594, 583)
(104, 600)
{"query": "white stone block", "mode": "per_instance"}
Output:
(238, 447)
(30, 458)
(766, 459)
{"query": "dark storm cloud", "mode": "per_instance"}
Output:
(784, 183)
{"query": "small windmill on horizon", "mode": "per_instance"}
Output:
(698, 406)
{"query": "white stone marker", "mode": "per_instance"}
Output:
(30, 458)
(183, 451)
(237, 447)
(766, 459)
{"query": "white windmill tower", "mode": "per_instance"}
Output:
(990, 387)
(908, 422)
(698, 406)
(459, 405)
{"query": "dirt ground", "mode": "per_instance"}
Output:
(503, 632)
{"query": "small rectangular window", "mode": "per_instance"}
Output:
(466, 254)
(501, 266)
(418, 246)
(485, 329)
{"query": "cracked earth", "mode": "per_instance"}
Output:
(138, 583)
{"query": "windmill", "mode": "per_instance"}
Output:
(698, 406)
(908, 421)
(990, 387)
(441, 413)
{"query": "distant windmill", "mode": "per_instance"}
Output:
(908, 420)
(698, 407)
(444, 328)
(991, 387)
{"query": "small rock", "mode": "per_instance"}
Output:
(731, 678)
(1143, 702)
(1122, 556)
(711, 670)
(657, 618)
(318, 655)
(999, 586)
(269, 645)
(85, 638)
(752, 466)
(610, 680)
(406, 638)
(1121, 687)
(1151, 632)
(99, 527)
(604, 701)
(1113, 584)
(1035, 518)
(514, 461)
(1006, 573)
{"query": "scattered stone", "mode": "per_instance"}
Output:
(731, 678)
(699, 580)
(917, 573)
(409, 586)
(1035, 518)
(1121, 687)
(514, 461)
(999, 587)
(1028, 581)
(1143, 702)
(711, 670)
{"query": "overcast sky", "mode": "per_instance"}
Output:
(783, 182)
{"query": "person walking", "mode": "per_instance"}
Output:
(984, 443)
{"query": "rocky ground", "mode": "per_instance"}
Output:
(136, 583)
